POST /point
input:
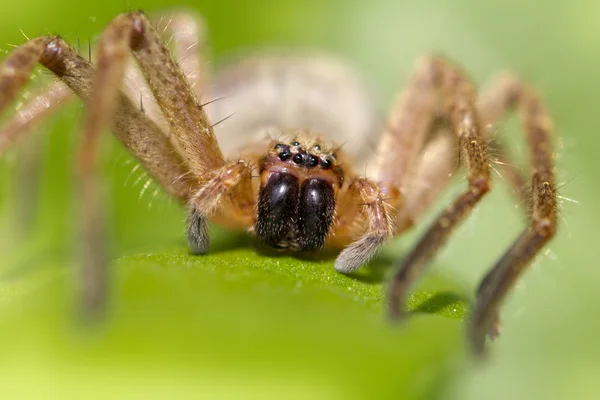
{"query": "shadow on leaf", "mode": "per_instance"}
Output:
(227, 240)
(377, 271)
(439, 302)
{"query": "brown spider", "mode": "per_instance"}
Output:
(308, 195)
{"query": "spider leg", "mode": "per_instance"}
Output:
(228, 188)
(509, 93)
(379, 214)
(438, 160)
(130, 126)
(403, 137)
(29, 115)
(493, 104)
(406, 131)
(139, 93)
(409, 124)
(458, 98)
(189, 36)
(431, 176)
(186, 117)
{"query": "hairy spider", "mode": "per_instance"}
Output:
(308, 195)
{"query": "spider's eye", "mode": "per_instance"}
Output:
(317, 147)
(298, 158)
(326, 163)
(296, 143)
(313, 161)
(285, 155)
(280, 146)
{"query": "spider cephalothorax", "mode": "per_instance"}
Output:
(307, 194)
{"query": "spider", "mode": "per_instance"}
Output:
(292, 114)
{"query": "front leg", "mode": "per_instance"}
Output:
(227, 188)
(404, 136)
(364, 200)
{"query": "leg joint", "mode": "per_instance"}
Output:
(138, 30)
(480, 185)
(52, 57)
(545, 227)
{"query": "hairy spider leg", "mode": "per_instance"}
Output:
(509, 93)
(187, 32)
(144, 138)
(493, 103)
(29, 115)
(432, 174)
(365, 200)
(438, 161)
(408, 126)
(458, 97)
(131, 127)
(506, 94)
(187, 121)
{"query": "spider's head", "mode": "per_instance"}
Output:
(300, 179)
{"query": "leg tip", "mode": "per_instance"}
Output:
(198, 248)
(345, 265)
(477, 334)
(358, 253)
(197, 233)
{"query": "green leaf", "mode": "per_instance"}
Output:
(230, 323)
(182, 326)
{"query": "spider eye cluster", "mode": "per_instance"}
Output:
(301, 157)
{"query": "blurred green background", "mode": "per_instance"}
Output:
(238, 324)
